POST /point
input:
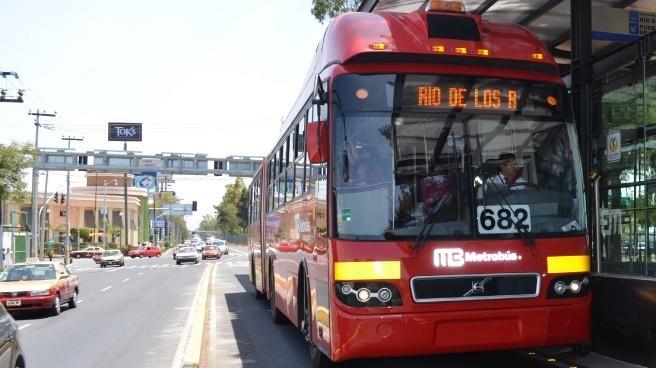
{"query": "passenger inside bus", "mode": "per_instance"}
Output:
(364, 165)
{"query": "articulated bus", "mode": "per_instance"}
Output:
(426, 193)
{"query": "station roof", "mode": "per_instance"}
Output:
(548, 19)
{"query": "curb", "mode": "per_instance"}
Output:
(188, 353)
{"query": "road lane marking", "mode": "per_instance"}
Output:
(166, 265)
(25, 325)
(140, 273)
(128, 279)
(80, 301)
(154, 266)
(132, 267)
(105, 289)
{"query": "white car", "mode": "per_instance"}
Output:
(186, 254)
(223, 246)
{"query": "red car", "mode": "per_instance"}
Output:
(149, 251)
(38, 286)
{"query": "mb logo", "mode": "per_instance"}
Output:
(449, 257)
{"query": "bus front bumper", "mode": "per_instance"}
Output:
(411, 334)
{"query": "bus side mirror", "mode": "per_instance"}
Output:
(317, 142)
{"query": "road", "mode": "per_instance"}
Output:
(135, 316)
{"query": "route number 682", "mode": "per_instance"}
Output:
(502, 219)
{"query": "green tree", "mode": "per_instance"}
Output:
(329, 9)
(14, 158)
(208, 223)
(232, 211)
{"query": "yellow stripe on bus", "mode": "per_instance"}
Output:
(376, 270)
(568, 264)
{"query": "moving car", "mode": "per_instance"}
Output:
(112, 257)
(199, 245)
(223, 246)
(38, 286)
(211, 251)
(177, 249)
(187, 254)
(136, 252)
(152, 251)
(87, 252)
(12, 354)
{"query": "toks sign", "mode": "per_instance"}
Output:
(124, 132)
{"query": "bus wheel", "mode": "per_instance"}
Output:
(276, 315)
(319, 359)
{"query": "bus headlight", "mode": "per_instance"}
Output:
(364, 295)
(368, 294)
(560, 288)
(569, 286)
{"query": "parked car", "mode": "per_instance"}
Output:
(38, 286)
(211, 251)
(187, 254)
(87, 252)
(12, 354)
(112, 257)
(223, 246)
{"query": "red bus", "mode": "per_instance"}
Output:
(426, 194)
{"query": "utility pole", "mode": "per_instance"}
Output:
(67, 241)
(126, 230)
(35, 182)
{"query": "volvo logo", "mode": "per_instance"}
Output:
(477, 287)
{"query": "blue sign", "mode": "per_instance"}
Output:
(147, 180)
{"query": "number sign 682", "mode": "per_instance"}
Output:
(502, 219)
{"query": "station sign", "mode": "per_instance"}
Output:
(621, 25)
(124, 132)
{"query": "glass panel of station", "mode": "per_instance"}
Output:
(624, 153)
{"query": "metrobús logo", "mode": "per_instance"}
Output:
(457, 257)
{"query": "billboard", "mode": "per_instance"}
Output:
(124, 132)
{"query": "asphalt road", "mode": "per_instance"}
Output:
(131, 316)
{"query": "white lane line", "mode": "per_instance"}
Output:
(128, 279)
(105, 289)
(113, 270)
(143, 266)
(25, 325)
(166, 265)
(132, 267)
(154, 266)
(140, 273)
(80, 301)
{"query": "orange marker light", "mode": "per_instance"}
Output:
(362, 93)
(438, 48)
(445, 6)
(378, 46)
(537, 56)
(552, 101)
(483, 52)
(460, 50)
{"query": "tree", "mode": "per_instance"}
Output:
(14, 158)
(233, 209)
(208, 223)
(328, 9)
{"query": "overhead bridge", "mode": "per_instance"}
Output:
(58, 159)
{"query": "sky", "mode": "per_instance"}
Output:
(202, 76)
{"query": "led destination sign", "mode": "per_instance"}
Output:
(459, 97)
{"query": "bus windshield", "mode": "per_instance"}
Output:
(473, 156)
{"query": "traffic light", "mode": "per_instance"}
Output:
(63, 198)
(56, 198)
(194, 205)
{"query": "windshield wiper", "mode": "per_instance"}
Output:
(429, 221)
(526, 236)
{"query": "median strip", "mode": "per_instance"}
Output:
(188, 352)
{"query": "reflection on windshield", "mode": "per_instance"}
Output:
(468, 172)
(30, 272)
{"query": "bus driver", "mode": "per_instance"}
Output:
(509, 174)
